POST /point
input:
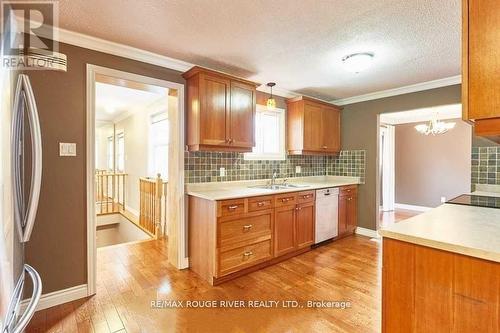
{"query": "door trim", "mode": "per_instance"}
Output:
(177, 250)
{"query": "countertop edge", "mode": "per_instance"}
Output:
(268, 192)
(449, 247)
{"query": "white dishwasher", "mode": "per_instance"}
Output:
(327, 216)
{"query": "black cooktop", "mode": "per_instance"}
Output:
(476, 200)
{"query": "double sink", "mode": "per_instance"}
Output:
(278, 186)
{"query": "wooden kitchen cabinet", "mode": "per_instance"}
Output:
(305, 224)
(481, 65)
(220, 111)
(284, 230)
(228, 238)
(348, 210)
(313, 127)
(430, 290)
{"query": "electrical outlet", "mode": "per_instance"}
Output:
(298, 169)
(443, 199)
(222, 172)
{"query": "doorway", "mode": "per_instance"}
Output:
(135, 163)
(424, 160)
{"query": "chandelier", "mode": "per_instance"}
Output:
(435, 127)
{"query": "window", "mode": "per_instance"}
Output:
(110, 152)
(120, 152)
(269, 135)
(158, 145)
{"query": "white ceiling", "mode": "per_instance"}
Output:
(114, 102)
(296, 43)
(451, 111)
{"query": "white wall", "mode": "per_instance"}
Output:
(102, 132)
(136, 136)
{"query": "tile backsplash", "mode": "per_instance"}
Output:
(485, 166)
(201, 167)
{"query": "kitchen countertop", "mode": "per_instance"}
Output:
(240, 189)
(468, 230)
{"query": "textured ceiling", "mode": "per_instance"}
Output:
(296, 43)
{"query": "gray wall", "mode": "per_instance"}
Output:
(429, 167)
(364, 116)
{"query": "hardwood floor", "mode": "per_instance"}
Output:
(396, 216)
(130, 276)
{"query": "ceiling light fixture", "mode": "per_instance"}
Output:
(358, 62)
(271, 102)
(435, 127)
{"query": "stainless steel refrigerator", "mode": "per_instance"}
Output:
(20, 181)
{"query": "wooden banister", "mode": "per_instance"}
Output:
(152, 205)
(110, 192)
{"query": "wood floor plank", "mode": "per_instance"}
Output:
(131, 276)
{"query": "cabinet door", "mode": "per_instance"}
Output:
(352, 213)
(242, 115)
(483, 59)
(214, 95)
(305, 224)
(312, 127)
(330, 130)
(343, 209)
(284, 230)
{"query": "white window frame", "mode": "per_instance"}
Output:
(110, 153)
(151, 172)
(120, 135)
(271, 156)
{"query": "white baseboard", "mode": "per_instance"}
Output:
(412, 207)
(58, 297)
(367, 232)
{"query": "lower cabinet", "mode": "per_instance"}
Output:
(348, 210)
(228, 238)
(284, 230)
(305, 225)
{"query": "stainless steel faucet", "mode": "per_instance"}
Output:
(273, 180)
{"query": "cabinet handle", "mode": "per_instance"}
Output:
(324, 147)
(306, 196)
(247, 227)
(232, 207)
(349, 199)
(230, 140)
(285, 199)
(260, 204)
(298, 208)
(247, 254)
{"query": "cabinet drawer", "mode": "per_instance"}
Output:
(231, 207)
(260, 203)
(305, 196)
(245, 256)
(285, 199)
(239, 231)
(351, 189)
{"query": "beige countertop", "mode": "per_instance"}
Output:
(468, 230)
(241, 189)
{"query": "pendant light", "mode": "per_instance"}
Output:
(271, 102)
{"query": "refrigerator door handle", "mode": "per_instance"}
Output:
(35, 298)
(24, 95)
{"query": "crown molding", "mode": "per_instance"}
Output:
(449, 81)
(125, 51)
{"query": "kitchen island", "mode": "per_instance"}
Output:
(441, 271)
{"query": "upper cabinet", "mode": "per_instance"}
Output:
(220, 111)
(313, 127)
(481, 65)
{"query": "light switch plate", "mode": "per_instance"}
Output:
(298, 169)
(222, 172)
(67, 149)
